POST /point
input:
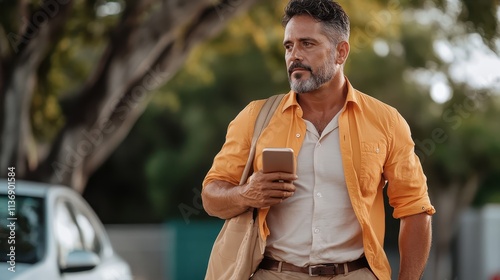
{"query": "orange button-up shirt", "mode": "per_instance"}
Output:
(376, 147)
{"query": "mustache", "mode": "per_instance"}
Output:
(296, 65)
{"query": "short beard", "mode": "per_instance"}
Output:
(324, 74)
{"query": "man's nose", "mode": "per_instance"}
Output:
(296, 54)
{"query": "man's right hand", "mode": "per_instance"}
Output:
(267, 189)
(224, 200)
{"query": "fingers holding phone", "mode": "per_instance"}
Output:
(274, 183)
(267, 189)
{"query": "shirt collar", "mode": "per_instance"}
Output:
(290, 100)
(353, 96)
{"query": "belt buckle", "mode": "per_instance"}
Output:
(311, 267)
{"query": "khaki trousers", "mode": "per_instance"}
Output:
(360, 274)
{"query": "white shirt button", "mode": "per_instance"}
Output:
(319, 194)
(317, 230)
(297, 135)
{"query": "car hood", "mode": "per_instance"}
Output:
(24, 271)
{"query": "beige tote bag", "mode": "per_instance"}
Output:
(239, 248)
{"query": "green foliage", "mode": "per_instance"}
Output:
(482, 14)
(72, 56)
(185, 124)
(490, 192)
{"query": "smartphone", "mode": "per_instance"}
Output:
(277, 160)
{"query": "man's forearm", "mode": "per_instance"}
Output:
(414, 245)
(223, 200)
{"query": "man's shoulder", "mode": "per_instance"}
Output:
(253, 108)
(370, 103)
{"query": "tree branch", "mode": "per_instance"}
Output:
(145, 57)
(31, 47)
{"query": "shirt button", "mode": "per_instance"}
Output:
(316, 230)
(319, 194)
(297, 135)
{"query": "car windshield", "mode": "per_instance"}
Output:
(23, 229)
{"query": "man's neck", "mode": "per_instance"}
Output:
(330, 96)
(320, 106)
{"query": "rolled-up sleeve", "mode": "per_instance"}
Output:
(407, 188)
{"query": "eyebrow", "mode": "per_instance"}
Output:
(301, 40)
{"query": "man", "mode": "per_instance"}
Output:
(328, 218)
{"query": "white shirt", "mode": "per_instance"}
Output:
(317, 224)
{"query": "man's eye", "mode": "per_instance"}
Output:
(307, 44)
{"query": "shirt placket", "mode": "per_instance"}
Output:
(317, 204)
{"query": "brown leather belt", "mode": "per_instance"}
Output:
(315, 270)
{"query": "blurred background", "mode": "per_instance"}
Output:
(128, 102)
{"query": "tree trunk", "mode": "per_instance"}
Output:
(141, 56)
(30, 45)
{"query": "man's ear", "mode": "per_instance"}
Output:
(342, 52)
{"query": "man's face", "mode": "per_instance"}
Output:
(309, 54)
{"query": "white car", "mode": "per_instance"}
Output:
(49, 232)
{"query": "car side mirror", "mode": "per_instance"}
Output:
(80, 260)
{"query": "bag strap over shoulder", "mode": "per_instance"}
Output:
(265, 115)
